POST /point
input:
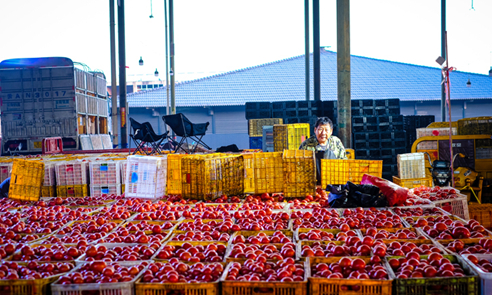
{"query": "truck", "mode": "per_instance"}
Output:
(50, 97)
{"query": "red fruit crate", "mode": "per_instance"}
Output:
(71, 173)
(211, 288)
(457, 206)
(108, 189)
(266, 288)
(120, 288)
(27, 287)
(105, 173)
(441, 285)
(324, 286)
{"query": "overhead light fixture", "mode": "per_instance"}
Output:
(140, 62)
(156, 73)
(468, 84)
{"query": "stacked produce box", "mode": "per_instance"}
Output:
(72, 178)
(255, 131)
(378, 132)
(105, 178)
(412, 171)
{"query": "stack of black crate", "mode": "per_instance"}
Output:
(303, 111)
(258, 110)
(378, 132)
(411, 123)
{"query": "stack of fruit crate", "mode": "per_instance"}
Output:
(411, 171)
(105, 178)
(71, 179)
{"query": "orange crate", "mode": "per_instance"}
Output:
(481, 213)
(323, 286)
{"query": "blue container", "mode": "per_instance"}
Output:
(256, 142)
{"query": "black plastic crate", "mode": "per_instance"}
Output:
(366, 145)
(290, 113)
(363, 112)
(258, 106)
(390, 119)
(366, 136)
(367, 154)
(278, 114)
(256, 142)
(303, 104)
(293, 120)
(413, 122)
(390, 168)
(391, 127)
(368, 120)
(362, 103)
(280, 105)
(393, 152)
(390, 102)
(364, 128)
(392, 135)
(307, 112)
(386, 111)
(263, 114)
(329, 104)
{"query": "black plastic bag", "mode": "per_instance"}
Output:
(337, 200)
(353, 195)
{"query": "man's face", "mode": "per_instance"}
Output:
(323, 132)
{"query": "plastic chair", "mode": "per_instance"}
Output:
(144, 135)
(185, 129)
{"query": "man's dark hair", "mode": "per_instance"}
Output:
(323, 121)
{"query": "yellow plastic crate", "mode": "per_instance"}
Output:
(79, 191)
(268, 173)
(442, 125)
(299, 173)
(48, 191)
(174, 174)
(350, 154)
(26, 180)
(289, 136)
(206, 177)
(256, 125)
(413, 182)
(249, 173)
(341, 171)
(475, 126)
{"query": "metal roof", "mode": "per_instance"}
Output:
(284, 80)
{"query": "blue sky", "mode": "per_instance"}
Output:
(215, 36)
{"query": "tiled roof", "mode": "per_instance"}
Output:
(284, 80)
